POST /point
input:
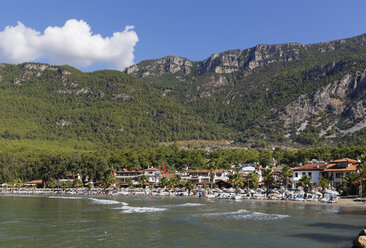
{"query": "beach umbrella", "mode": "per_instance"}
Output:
(331, 192)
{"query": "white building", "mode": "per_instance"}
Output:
(203, 176)
(313, 171)
(153, 175)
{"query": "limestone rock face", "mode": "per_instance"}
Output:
(332, 97)
(170, 64)
(63, 123)
(226, 62)
(123, 97)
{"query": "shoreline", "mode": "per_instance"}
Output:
(341, 202)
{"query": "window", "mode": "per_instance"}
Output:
(296, 174)
(309, 174)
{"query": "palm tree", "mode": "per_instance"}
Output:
(351, 178)
(268, 179)
(77, 183)
(129, 183)
(361, 170)
(18, 183)
(173, 182)
(237, 181)
(286, 172)
(189, 186)
(51, 183)
(143, 181)
(305, 182)
(109, 179)
(164, 182)
(253, 180)
(212, 166)
(324, 184)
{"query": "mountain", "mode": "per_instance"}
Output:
(292, 94)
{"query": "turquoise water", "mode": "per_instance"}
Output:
(40, 221)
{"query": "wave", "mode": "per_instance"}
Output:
(106, 202)
(188, 204)
(66, 197)
(247, 215)
(129, 209)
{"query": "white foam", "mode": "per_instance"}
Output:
(107, 202)
(247, 215)
(129, 209)
(65, 197)
(188, 204)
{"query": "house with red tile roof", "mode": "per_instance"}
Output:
(313, 170)
(203, 176)
(337, 169)
(334, 171)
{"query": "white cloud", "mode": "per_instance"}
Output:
(72, 44)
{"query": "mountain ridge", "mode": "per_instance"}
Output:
(291, 94)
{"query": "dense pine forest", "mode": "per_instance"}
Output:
(56, 119)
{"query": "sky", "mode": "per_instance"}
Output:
(112, 34)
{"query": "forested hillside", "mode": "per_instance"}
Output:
(287, 94)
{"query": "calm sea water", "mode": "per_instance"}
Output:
(55, 221)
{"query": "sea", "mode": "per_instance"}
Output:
(128, 221)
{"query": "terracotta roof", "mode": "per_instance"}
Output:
(152, 169)
(129, 171)
(311, 167)
(348, 160)
(206, 171)
(334, 168)
(168, 175)
(34, 182)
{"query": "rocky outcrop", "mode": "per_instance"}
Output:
(249, 59)
(170, 64)
(63, 123)
(360, 242)
(226, 62)
(123, 97)
(333, 97)
(82, 91)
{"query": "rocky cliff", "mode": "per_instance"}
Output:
(226, 62)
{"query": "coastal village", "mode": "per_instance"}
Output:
(314, 181)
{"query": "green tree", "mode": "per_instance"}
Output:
(130, 183)
(77, 183)
(286, 173)
(189, 186)
(51, 183)
(237, 181)
(143, 181)
(109, 179)
(305, 182)
(361, 170)
(265, 158)
(268, 179)
(253, 180)
(164, 182)
(212, 166)
(324, 184)
(173, 182)
(351, 179)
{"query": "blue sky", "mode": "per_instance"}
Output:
(195, 29)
